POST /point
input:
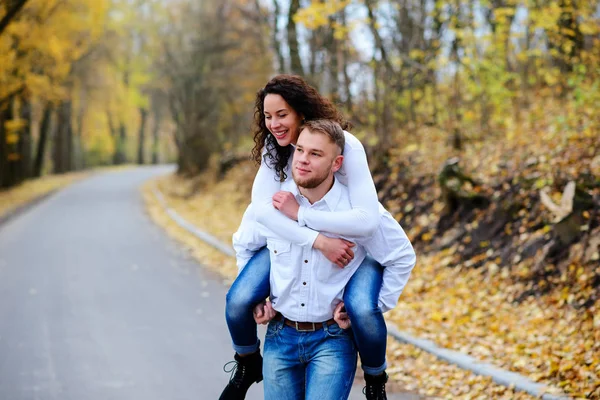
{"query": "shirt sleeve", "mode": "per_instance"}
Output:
(391, 248)
(247, 240)
(264, 187)
(363, 219)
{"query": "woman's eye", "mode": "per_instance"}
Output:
(267, 117)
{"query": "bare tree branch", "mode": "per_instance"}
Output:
(13, 8)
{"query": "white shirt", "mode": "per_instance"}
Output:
(360, 221)
(312, 289)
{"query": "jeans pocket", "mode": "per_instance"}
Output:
(273, 328)
(335, 331)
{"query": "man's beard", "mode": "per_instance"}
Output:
(310, 183)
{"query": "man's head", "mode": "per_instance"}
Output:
(318, 154)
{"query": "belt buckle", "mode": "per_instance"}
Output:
(305, 330)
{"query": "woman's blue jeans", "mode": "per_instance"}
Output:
(360, 297)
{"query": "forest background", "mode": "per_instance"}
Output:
(480, 119)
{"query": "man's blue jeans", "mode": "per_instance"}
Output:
(308, 365)
(360, 297)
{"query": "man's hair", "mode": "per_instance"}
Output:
(329, 128)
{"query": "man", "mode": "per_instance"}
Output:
(316, 358)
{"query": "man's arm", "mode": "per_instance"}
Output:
(248, 239)
(390, 247)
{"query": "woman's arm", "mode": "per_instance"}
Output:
(264, 187)
(360, 222)
(247, 240)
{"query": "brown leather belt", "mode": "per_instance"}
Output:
(304, 326)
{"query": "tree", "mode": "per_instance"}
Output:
(12, 8)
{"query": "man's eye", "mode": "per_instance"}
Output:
(316, 154)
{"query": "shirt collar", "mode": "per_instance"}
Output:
(331, 198)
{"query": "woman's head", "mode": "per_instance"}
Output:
(281, 107)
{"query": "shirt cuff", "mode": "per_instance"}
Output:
(301, 221)
(382, 307)
(311, 240)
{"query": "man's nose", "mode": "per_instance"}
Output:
(303, 159)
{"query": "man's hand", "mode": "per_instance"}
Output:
(286, 203)
(341, 316)
(264, 312)
(338, 251)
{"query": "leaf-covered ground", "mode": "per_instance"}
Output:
(487, 282)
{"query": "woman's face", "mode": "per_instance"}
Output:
(281, 120)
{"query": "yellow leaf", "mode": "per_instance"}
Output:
(12, 138)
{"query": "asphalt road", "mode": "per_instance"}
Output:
(97, 303)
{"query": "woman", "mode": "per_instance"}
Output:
(281, 107)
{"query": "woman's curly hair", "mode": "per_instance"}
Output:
(305, 100)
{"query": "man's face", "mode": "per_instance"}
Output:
(315, 159)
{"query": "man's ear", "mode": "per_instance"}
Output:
(337, 163)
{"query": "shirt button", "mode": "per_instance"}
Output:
(304, 283)
(302, 304)
(275, 251)
(305, 261)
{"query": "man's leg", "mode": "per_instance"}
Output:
(331, 363)
(284, 373)
(250, 288)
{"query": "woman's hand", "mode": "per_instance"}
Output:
(338, 251)
(264, 312)
(286, 203)
(341, 316)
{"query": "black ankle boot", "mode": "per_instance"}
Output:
(244, 373)
(375, 389)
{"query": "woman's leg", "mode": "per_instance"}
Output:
(250, 288)
(361, 300)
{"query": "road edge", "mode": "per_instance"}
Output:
(21, 209)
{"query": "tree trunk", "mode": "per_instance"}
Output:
(155, 132)
(15, 143)
(63, 143)
(79, 153)
(23, 164)
(121, 138)
(275, 42)
(4, 116)
(332, 48)
(142, 137)
(43, 141)
(292, 39)
(346, 63)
